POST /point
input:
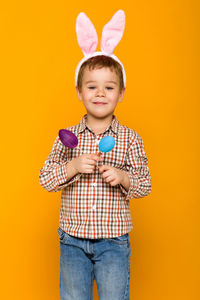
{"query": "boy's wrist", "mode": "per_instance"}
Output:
(71, 169)
(125, 180)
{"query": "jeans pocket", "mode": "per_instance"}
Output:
(121, 240)
(62, 235)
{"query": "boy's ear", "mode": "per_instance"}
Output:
(78, 94)
(121, 96)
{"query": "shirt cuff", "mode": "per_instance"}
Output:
(60, 174)
(133, 186)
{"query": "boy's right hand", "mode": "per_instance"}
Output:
(85, 163)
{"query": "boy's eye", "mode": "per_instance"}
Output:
(93, 87)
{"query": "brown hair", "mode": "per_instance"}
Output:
(98, 62)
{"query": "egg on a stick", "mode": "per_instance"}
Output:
(68, 138)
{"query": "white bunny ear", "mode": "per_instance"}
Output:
(86, 34)
(112, 32)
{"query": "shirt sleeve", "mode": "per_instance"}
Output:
(137, 170)
(53, 176)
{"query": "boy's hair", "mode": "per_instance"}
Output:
(98, 62)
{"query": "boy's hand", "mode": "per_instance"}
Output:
(114, 176)
(85, 163)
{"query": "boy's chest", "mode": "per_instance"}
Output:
(89, 144)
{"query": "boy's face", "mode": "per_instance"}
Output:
(100, 92)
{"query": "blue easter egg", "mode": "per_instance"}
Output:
(106, 144)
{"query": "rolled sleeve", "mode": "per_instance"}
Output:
(137, 170)
(60, 174)
(133, 186)
(53, 176)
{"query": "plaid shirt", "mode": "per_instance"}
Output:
(91, 207)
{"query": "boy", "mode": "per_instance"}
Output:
(95, 217)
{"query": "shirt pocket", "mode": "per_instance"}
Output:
(115, 159)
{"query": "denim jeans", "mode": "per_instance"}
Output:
(105, 260)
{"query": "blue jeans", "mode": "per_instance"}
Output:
(105, 260)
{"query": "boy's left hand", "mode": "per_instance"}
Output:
(111, 174)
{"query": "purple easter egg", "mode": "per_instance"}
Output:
(68, 138)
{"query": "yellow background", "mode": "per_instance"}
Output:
(160, 52)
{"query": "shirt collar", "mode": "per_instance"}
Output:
(113, 126)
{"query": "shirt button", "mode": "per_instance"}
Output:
(94, 184)
(93, 207)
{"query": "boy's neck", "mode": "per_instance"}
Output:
(98, 125)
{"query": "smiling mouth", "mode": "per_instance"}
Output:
(99, 103)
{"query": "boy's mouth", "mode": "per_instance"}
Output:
(99, 103)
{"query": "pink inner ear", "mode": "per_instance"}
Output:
(86, 34)
(112, 32)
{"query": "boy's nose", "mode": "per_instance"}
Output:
(100, 92)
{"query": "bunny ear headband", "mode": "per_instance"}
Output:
(88, 40)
